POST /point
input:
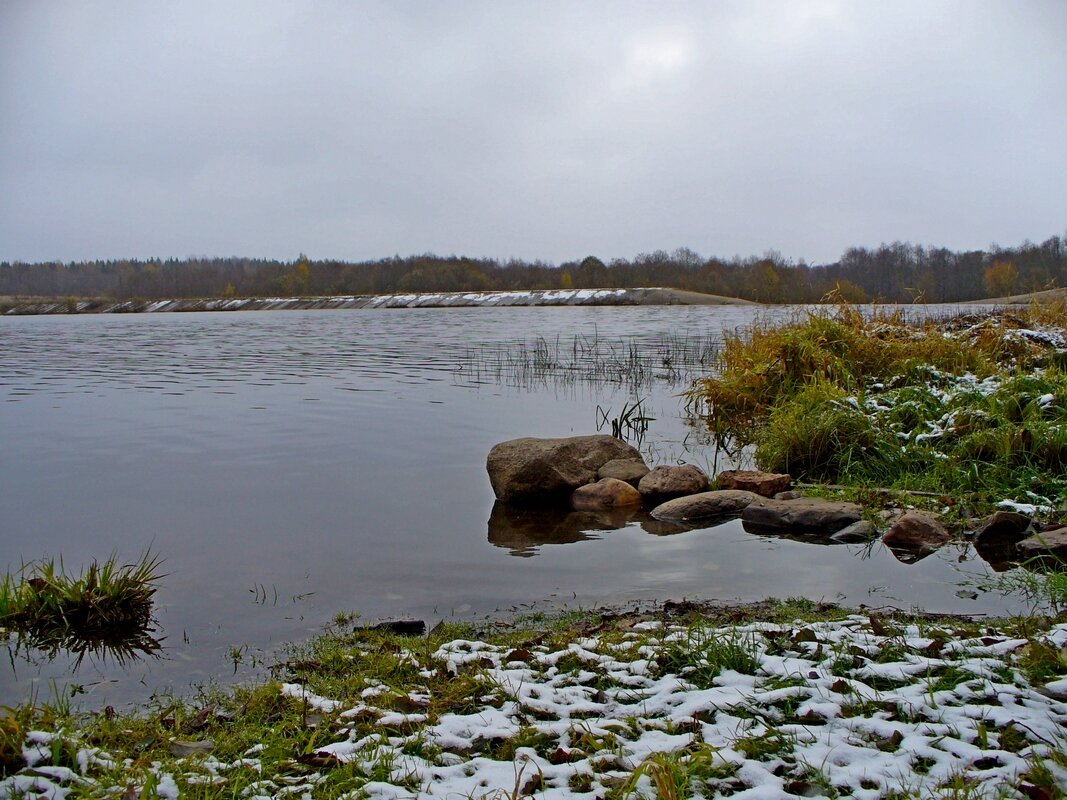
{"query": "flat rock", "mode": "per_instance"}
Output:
(1003, 528)
(1045, 545)
(705, 505)
(624, 469)
(606, 493)
(665, 482)
(916, 531)
(803, 515)
(529, 470)
(766, 484)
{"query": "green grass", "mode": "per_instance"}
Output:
(971, 408)
(105, 609)
(259, 739)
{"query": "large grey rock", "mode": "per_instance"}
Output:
(767, 484)
(529, 470)
(803, 515)
(624, 469)
(605, 494)
(916, 531)
(1047, 545)
(705, 505)
(666, 482)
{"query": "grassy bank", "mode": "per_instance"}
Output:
(778, 699)
(971, 408)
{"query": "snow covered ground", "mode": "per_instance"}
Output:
(862, 707)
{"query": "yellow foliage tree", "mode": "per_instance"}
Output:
(1000, 278)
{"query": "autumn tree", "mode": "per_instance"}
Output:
(1000, 278)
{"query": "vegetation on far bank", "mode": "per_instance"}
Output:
(892, 273)
(789, 697)
(973, 408)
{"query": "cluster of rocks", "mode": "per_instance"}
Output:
(604, 474)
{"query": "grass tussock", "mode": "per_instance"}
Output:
(105, 609)
(974, 405)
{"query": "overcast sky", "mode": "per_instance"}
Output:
(537, 130)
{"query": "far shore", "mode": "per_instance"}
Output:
(645, 296)
(648, 296)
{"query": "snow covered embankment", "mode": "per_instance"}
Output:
(543, 297)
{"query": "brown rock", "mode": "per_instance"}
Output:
(530, 470)
(605, 494)
(627, 470)
(915, 530)
(1003, 528)
(704, 506)
(766, 484)
(1049, 544)
(666, 482)
(803, 515)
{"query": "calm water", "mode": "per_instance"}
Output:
(290, 465)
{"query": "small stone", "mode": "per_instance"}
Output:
(705, 505)
(665, 482)
(1003, 527)
(790, 495)
(916, 531)
(180, 749)
(1043, 545)
(607, 493)
(624, 469)
(861, 531)
(766, 484)
(402, 627)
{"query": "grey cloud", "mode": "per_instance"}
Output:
(547, 130)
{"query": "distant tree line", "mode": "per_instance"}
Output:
(898, 272)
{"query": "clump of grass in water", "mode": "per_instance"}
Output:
(106, 609)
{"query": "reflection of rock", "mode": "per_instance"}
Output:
(805, 515)
(528, 470)
(662, 527)
(523, 529)
(605, 494)
(663, 483)
(916, 532)
(705, 506)
(625, 469)
(767, 484)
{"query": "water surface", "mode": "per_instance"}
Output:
(290, 465)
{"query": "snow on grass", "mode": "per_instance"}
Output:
(748, 710)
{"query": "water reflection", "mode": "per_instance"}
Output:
(122, 648)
